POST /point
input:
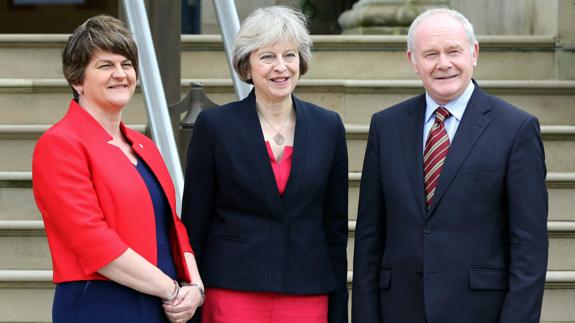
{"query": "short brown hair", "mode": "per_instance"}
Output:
(100, 32)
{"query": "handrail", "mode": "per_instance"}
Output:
(229, 26)
(155, 98)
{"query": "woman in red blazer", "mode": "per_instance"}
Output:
(118, 249)
(265, 200)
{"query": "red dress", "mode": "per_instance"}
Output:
(230, 306)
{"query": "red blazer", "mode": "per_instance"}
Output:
(93, 200)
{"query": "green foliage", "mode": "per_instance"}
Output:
(308, 8)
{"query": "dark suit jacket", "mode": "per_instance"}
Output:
(246, 236)
(479, 254)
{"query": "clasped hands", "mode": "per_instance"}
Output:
(184, 305)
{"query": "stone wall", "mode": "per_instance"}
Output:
(244, 7)
(510, 17)
(490, 17)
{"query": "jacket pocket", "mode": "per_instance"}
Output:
(384, 278)
(488, 279)
(474, 169)
(82, 291)
(231, 239)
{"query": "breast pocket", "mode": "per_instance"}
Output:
(478, 168)
(480, 180)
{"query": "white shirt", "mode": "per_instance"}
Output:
(455, 107)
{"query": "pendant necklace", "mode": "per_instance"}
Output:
(278, 138)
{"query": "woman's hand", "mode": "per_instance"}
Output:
(183, 307)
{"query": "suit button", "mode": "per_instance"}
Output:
(419, 273)
(427, 229)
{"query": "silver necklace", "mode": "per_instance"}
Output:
(278, 138)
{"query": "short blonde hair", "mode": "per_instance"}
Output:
(267, 26)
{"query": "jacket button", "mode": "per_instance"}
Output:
(141, 146)
(419, 273)
(427, 229)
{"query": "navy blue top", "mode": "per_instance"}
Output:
(163, 213)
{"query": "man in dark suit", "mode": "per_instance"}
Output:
(452, 220)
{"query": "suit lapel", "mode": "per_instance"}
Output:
(299, 152)
(260, 155)
(413, 149)
(472, 125)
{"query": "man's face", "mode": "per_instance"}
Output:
(443, 57)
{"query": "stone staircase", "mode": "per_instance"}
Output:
(355, 76)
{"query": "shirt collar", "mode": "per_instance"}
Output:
(455, 107)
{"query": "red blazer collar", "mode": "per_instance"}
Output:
(88, 124)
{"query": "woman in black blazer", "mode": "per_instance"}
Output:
(265, 200)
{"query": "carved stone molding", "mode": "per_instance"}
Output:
(387, 17)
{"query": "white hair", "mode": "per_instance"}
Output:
(467, 26)
(268, 26)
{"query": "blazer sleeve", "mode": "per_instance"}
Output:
(527, 209)
(335, 224)
(198, 202)
(369, 235)
(183, 239)
(65, 195)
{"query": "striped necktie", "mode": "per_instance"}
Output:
(436, 148)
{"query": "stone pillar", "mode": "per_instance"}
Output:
(384, 17)
(565, 54)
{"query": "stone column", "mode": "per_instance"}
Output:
(384, 17)
(565, 54)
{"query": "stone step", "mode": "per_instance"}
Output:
(17, 144)
(561, 245)
(558, 297)
(384, 57)
(26, 296)
(558, 142)
(356, 100)
(17, 201)
(23, 245)
(44, 101)
(560, 186)
(16, 197)
(351, 56)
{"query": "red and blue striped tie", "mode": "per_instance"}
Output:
(435, 152)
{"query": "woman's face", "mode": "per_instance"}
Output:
(274, 71)
(109, 82)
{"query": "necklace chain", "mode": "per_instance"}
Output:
(278, 138)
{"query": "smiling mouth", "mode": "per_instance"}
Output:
(118, 86)
(280, 79)
(448, 77)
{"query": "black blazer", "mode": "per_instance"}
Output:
(479, 254)
(247, 237)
